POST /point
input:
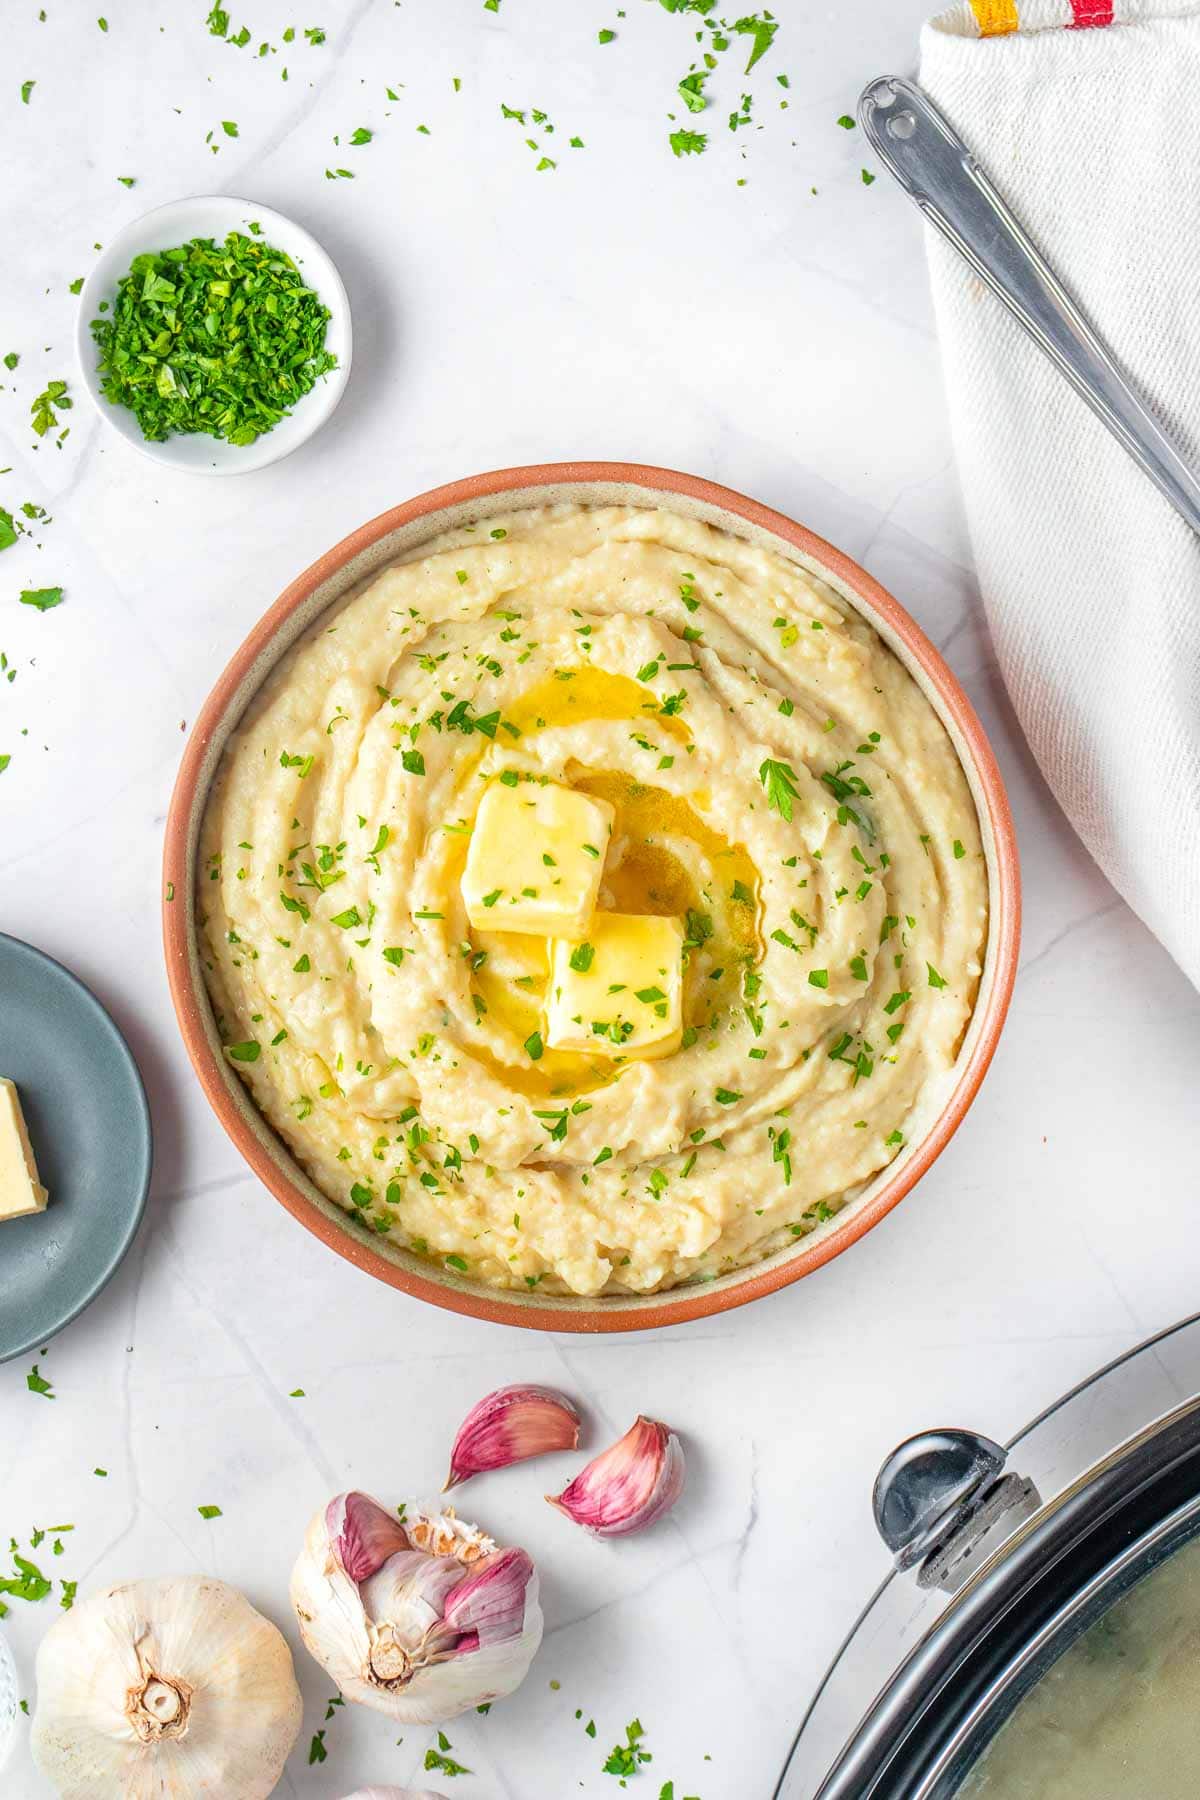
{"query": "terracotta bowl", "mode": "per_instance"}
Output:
(324, 585)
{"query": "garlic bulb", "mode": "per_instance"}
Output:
(629, 1485)
(422, 1619)
(510, 1425)
(164, 1690)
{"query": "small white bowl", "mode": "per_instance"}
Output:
(214, 216)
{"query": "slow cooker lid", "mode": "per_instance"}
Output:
(929, 1662)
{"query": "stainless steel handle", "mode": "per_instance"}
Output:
(935, 168)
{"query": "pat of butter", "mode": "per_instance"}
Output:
(535, 859)
(20, 1190)
(620, 992)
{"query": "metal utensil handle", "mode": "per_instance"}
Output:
(935, 168)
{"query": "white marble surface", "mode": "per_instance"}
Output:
(626, 304)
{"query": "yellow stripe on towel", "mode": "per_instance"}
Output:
(996, 16)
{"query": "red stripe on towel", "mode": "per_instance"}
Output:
(1091, 12)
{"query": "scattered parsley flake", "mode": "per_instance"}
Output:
(779, 780)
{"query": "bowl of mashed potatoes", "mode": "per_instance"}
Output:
(591, 902)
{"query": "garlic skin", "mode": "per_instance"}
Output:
(510, 1426)
(393, 1793)
(164, 1690)
(628, 1486)
(423, 1619)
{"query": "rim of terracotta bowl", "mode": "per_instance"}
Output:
(332, 579)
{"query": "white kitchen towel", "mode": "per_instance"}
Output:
(1090, 579)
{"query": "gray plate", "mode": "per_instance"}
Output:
(89, 1124)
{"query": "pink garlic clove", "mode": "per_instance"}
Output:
(489, 1606)
(510, 1425)
(363, 1534)
(629, 1485)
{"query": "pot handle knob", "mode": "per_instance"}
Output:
(943, 1504)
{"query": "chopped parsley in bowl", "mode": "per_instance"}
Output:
(215, 335)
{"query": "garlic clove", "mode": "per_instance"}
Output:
(393, 1793)
(628, 1486)
(509, 1426)
(363, 1533)
(443, 1624)
(489, 1606)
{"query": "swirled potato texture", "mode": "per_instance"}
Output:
(777, 784)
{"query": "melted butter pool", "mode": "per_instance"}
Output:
(663, 858)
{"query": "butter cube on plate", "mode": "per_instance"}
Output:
(620, 991)
(535, 859)
(20, 1190)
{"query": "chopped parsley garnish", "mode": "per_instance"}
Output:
(37, 1384)
(27, 1584)
(818, 978)
(533, 1046)
(688, 143)
(581, 958)
(779, 780)
(627, 1758)
(221, 339)
(935, 980)
(43, 599)
(246, 1053)
(43, 413)
(691, 90)
(726, 1096)
(209, 1512)
(437, 1759)
(761, 28)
